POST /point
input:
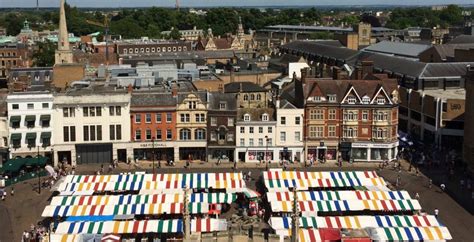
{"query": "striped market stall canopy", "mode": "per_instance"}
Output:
(142, 199)
(121, 227)
(134, 182)
(410, 234)
(67, 237)
(312, 207)
(356, 222)
(338, 195)
(208, 225)
(279, 180)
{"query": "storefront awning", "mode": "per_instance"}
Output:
(16, 136)
(30, 118)
(45, 135)
(30, 135)
(15, 118)
(45, 117)
(36, 161)
(14, 165)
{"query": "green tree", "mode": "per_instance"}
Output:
(44, 54)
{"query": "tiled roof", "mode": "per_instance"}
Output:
(313, 47)
(463, 39)
(152, 99)
(215, 98)
(398, 48)
(243, 87)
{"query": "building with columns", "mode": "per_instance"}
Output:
(92, 125)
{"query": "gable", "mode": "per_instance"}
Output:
(351, 92)
(381, 93)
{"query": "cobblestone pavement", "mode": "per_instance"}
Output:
(17, 213)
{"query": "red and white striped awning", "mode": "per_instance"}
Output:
(208, 225)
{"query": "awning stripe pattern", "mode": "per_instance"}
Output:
(157, 182)
(121, 227)
(107, 210)
(208, 225)
(356, 222)
(410, 234)
(339, 195)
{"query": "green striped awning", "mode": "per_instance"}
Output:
(15, 118)
(45, 117)
(16, 136)
(29, 118)
(45, 135)
(30, 135)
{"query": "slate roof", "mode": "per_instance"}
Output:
(243, 87)
(215, 98)
(447, 50)
(202, 95)
(398, 48)
(451, 69)
(313, 47)
(152, 99)
(463, 39)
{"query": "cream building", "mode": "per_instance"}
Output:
(191, 126)
(92, 126)
(29, 123)
(289, 131)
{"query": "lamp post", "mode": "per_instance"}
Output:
(266, 153)
(153, 154)
(38, 171)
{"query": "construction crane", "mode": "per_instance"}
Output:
(104, 25)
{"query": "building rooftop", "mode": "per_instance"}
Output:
(152, 99)
(463, 39)
(458, 93)
(398, 48)
(308, 28)
(316, 48)
(243, 87)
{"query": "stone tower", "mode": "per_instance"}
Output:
(63, 54)
(468, 149)
(240, 29)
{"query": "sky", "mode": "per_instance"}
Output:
(194, 3)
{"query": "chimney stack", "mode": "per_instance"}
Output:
(174, 90)
(367, 68)
(304, 74)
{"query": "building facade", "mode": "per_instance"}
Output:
(154, 126)
(221, 124)
(352, 119)
(29, 124)
(92, 127)
(468, 146)
(289, 129)
(151, 47)
(191, 126)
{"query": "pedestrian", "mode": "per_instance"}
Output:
(417, 196)
(442, 187)
(110, 168)
(102, 169)
(12, 192)
(3, 195)
(430, 184)
(436, 212)
(235, 165)
(398, 181)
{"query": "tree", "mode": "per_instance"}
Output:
(174, 34)
(44, 55)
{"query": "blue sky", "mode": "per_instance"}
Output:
(190, 3)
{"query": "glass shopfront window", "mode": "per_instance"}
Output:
(359, 153)
(379, 154)
(331, 154)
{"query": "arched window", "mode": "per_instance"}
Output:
(246, 97)
(185, 134)
(264, 117)
(259, 97)
(252, 97)
(200, 134)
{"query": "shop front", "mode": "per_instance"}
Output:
(220, 154)
(145, 151)
(256, 155)
(373, 151)
(192, 153)
(324, 151)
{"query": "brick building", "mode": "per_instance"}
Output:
(356, 119)
(151, 47)
(153, 125)
(12, 56)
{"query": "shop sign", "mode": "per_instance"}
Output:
(150, 145)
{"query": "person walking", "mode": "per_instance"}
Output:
(235, 165)
(430, 184)
(436, 212)
(442, 186)
(398, 181)
(417, 196)
(12, 192)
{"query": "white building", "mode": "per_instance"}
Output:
(29, 120)
(255, 136)
(3, 129)
(289, 131)
(92, 127)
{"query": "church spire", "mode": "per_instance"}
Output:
(63, 53)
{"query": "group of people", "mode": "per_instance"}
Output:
(35, 234)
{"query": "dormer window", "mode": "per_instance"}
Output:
(380, 100)
(366, 100)
(317, 99)
(265, 117)
(222, 105)
(332, 98)
(246, 117)
(351, 100)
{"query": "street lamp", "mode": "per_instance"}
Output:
(38, 171)
(266, 153)
(153, 154)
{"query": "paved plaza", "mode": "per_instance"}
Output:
(25, 207)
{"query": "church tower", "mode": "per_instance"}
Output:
(63, 54)
(240, 29)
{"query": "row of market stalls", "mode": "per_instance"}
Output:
(334, 206)
(143, 206)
